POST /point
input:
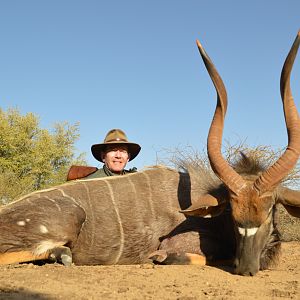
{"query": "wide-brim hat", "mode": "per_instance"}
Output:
(115, 137)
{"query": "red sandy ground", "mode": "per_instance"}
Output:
(29, 281)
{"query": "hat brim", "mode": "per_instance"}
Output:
(133, 149)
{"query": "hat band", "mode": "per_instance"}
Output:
(116, 140)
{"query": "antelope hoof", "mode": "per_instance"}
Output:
(158, 256)
(163, 257)
(61, 255)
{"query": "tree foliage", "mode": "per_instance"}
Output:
(32, 158)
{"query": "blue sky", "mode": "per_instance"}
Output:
(135, 65)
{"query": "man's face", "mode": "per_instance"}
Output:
(116, 157)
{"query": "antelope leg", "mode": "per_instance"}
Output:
(21, 256)
(62, 255)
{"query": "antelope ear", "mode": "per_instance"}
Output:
(290, 199)
(206, 206)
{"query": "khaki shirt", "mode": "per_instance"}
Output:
(104, 172)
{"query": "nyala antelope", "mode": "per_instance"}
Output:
(161, 213)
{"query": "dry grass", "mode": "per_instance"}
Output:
(187, 157)
(288, 226)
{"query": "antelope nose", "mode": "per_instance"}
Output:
(246, 271)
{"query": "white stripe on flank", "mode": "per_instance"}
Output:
(247, 231)
(119, 221)
(41, 192)
(150, 195)
(74, 200)
(69, 197)
(91, 214)
(54, 201)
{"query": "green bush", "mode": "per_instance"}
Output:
(32, 158)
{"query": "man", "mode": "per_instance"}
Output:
(114, 152)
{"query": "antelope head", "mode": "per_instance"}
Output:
(252, 201)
